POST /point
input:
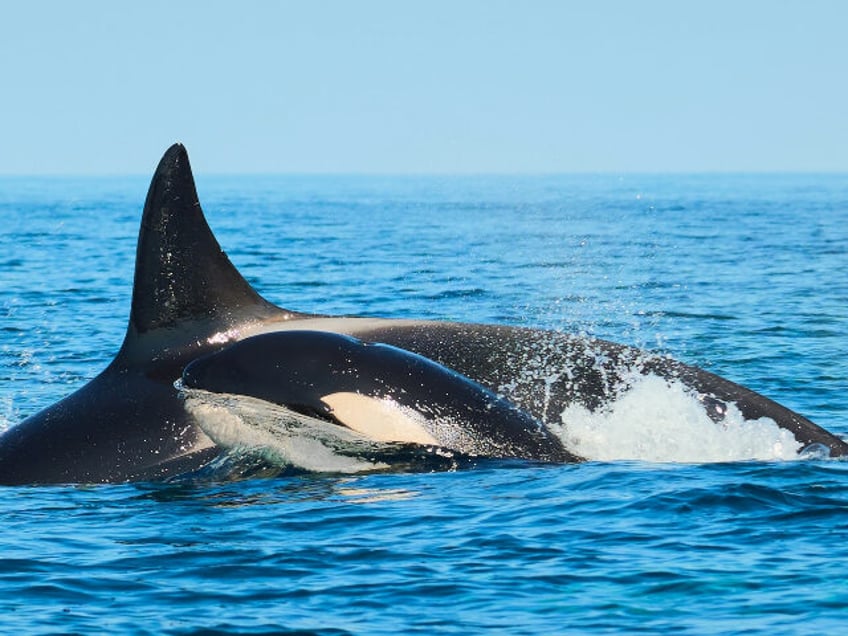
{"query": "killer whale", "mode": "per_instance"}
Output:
(383, 392)
(128, 423)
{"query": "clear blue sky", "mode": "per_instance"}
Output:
(96, 86)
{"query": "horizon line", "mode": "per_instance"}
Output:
(458, 174)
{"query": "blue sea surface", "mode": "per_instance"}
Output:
(744, 275)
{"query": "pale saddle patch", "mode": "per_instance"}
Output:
(380, 419)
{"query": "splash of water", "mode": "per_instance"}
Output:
(8, 414)
(658, 420)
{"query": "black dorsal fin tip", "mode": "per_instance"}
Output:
(181, 273)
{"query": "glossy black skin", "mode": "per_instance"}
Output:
(297, 369)
(129, 423)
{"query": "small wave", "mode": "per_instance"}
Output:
(692, 315)
(658, 420)
(447, 294)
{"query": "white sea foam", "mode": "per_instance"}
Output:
(660, 421)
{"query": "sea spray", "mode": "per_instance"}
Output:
(657, 420)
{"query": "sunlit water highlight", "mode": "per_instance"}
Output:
(742, 275)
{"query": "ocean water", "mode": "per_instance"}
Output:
(741, 274)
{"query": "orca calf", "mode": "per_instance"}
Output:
(382, 392)
(129, 422)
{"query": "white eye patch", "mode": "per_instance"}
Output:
(380, 419)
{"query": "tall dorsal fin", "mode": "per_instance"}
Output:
(181, 274)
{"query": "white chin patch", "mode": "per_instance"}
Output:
(380, 419)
